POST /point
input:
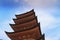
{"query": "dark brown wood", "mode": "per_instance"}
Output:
(42, 37)
(23, 20)
(24, 25)
(32, 33)
(25, 14)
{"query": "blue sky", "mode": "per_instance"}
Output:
(48, 12)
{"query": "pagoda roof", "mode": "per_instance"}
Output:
(37, 25)
(23, 20)
(25, 14)
(17, 27)
(31, 21)
(26, 27)
(33, 32)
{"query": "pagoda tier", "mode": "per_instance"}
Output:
(17, 27)
(25, 14)
(25, 19)
(30, 33)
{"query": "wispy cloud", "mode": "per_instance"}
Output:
(48, 22)
(5, 27)
(41, 3)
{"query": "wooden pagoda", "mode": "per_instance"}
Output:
(26, 27)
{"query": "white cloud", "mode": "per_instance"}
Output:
(48, 38)
(45, 18)
(56, 37)
(48, 22)
(41, 3)
(5, 27)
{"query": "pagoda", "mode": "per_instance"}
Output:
(26, 27)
